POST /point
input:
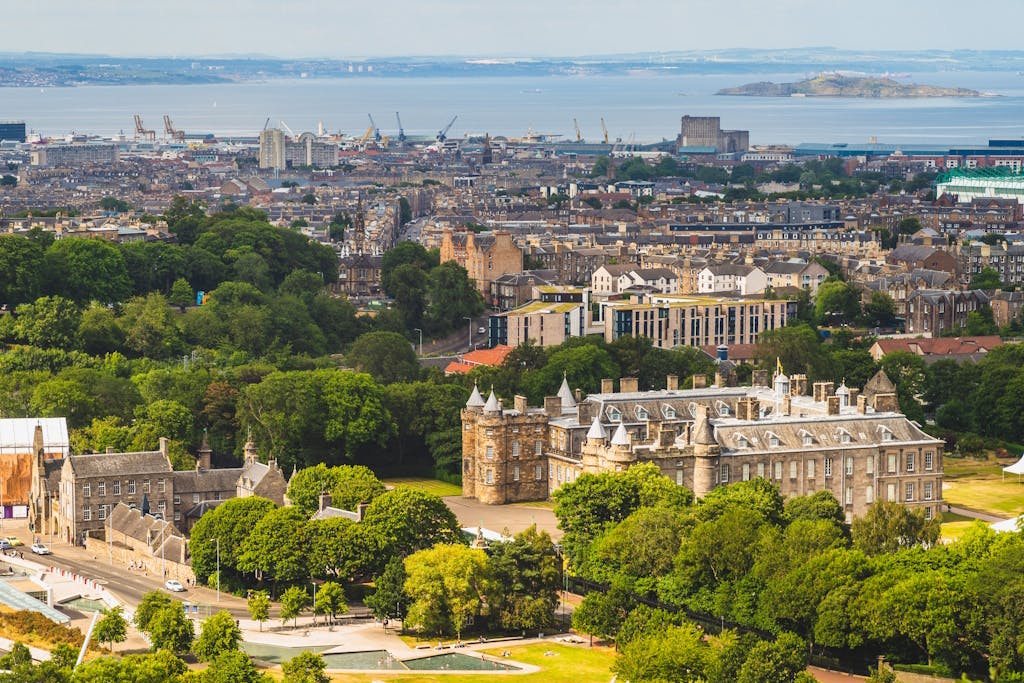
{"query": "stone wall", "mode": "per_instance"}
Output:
(138, 556)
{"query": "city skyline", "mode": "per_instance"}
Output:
(319, 28)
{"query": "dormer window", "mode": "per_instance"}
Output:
(844, 436)
(723, 409)
(806, 437)
(641, 413)
(669, 412)
(614, 414)
(693, 408)
(742, 441)
(773, 439)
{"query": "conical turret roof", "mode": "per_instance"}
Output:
(492, 405)
(621, 437)
(596, 430)
(703, 432)
(564, 393)
(475, 399)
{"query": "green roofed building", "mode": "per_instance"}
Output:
(968, 184)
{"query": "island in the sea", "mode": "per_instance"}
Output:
(837, 85)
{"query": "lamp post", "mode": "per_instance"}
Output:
(416, 329)
(314, 602)
(110, 538)
(470, 331)
(218, 569)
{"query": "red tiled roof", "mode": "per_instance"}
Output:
(941, 346)
(457, 368)
(494, 356)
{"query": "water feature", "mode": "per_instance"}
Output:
(276, 654)
(370, 659)
(456, 661)
(84, 604)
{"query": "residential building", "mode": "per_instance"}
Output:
(359, 275)
(609, 280)
(485, 256)
(931, 311)
(272, 149)
(795, 273)
(491, 357)
(558, 314)
(731, 278)
(922, 257)
(21, 440)
(857, 446)
(938, 348)
(678, 320)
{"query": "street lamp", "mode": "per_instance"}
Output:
(416, 329)
(314, 602)
(470, 331)
(218, 569)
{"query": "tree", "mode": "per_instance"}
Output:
(676, 654)
(386, 356)
(181, 294)
(21, 269)
(836, 302)
(880, 310)
(451, 296)
(48, 322)
(219, 633)
(602, 614)
(305, 667)
(330, 599)
(889, 526)
(408, 287)
(86, 269)
(404, 253)
(446, 584)
(294, 601)
(526, 578)
(150, 604)
(259, 606)
(158, 667)
(224, 528)
(987, 279)
(149, 327)
(409, 520)
(234, 667)
(114, 204)
(389, 600)
(112, 627)
(778, 661)
(797, 348)
(274, 550)
(306, 485)
(906, 370)
(170, 629)
(98, 331)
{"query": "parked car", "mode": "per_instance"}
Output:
(174, 585)
(5, 544)
(14, 541)
(40, 549)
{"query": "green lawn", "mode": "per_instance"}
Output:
(568, 664)
(435, 486)
(979, 485)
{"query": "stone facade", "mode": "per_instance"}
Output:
(858, 447)
(485, 256)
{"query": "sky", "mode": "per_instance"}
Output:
(379, 28)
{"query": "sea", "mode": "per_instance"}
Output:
(643, 107)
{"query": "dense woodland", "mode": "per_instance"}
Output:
(790, 571)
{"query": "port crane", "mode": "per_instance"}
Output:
(291, 133)
(605, 129)
(170, 130)
(401, 131)
(366, 136)
(579, 135)
(376, 131)
(143, 131)
(442, 134)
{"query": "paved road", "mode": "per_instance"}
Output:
(974, 514)
(515, 518)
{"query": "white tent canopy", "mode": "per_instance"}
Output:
(1016, 468)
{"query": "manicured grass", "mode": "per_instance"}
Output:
(435, 486)
(952, 531)
(568, 664)
(980, 485)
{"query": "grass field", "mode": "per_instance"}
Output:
(435, 486)
(979, 485)
(568, 664)
(954, 526)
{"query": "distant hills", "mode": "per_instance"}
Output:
(837, 85)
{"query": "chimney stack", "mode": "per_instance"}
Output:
(672, 382)
(519, 402)
(629, 385)
(787, 405)
(862, 404)
(833, 405)
(607, 386)
(552, 406)
(324, 501)
(700, 381)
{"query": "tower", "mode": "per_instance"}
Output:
(706, 454)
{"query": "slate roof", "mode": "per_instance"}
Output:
(119, 464)
(199, 481)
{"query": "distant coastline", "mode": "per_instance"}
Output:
(836, 85)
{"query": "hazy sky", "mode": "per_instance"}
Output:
(342, 28)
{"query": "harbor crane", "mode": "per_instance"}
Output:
(579, 135)
(401, 131)
(141, 130)
(605, 129)
(442, 134)
(366, 136)
(291, 133)
(170, 130)
(376, 131)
